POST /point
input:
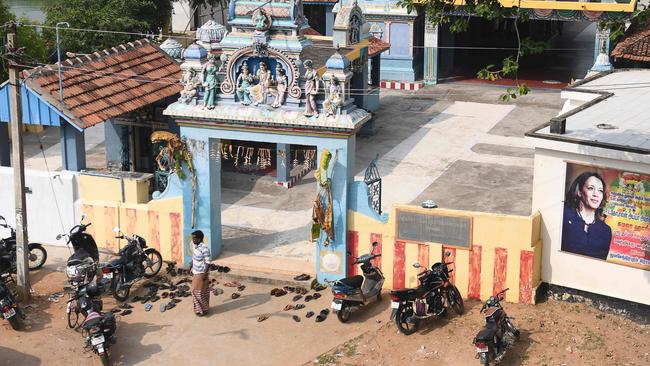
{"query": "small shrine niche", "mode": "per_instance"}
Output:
(350, 26)
(336, 82)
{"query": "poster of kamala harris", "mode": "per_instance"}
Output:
(607, 215)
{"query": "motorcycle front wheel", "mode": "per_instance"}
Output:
(345, 313)
(121, 293)
(37, 257)
(456, 300)
(153, 263)
(404, 326)
(73, 319)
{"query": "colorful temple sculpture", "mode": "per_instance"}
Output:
(266, 83)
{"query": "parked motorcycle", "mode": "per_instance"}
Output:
(81, 240)
(136, 262)
(9, 307)
(499, 333)
(431, 298)
(37, 254)
(97, 328)
(352, 293)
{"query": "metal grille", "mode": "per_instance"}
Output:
(373, 180)
(161, 176)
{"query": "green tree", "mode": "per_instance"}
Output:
(35, 49)
(131, 16)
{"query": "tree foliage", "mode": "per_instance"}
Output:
(132, 16)
(35, 49)
(617, 27)
(440, 12)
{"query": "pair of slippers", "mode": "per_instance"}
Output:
(168, 306)
(218, 268)
(302, 277)
(232, 284)
(277, 292)
(126, 306)
(263, 317)
(296, 318)
(323, 315)
(299, 290)
(118, 311)
(315, 296)
(235, 295)
(217, 291)
(316, 286)
(294, 307)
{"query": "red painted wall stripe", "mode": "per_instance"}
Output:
(500, 269)
(131, 221)
(451, 258)
(399, 265)
(154, 230)
(109, 224)
(423, 256)
(376, 238)
(474, 286)
(177, 236)
(526, 260)
(353, 248)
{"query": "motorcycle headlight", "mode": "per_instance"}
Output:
(71, 271)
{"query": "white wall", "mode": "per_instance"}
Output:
(572, 270)
(181, 16)
(43, 223)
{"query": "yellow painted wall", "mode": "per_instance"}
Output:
(490, 231)
(101, 202)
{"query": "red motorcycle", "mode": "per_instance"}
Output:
(499, 333)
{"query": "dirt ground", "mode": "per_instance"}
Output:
(552, 333)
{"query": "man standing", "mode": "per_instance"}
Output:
(199, 268)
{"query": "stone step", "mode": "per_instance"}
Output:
(267, 270)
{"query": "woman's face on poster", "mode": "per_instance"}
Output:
(592, 193)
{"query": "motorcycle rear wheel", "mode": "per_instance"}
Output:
(156, 263)
(456, 300)
(73, 319)
(37, 257)
(104, 358)
(403, 326)
(345, 313)
(123, 293)
(15, 322)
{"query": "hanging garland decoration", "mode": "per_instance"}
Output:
(322, 219)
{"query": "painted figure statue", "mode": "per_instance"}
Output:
(190, 84)
(263, 82)
(333, 101)
(261, 21)
(244, 81)
(311, 89)
(210, 81)
(281, 85)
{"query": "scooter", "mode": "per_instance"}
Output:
(352, 293)
(37, 254)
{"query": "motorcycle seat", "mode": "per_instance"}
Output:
(354, 281)
(406, 293)
(116, 262)
(487, 333)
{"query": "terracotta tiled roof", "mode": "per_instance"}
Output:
(377, 46)
(635, 45)
(108, 83)
(309, 32)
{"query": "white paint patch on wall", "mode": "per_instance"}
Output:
(571, 270)
(43, 223)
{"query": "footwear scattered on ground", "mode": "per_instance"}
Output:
(296, 298)
(147, 307)
(315, 296)
(163, 307)
(288, 307)
(279, 292)
(316, 286)
(308, 298)
(126, 312)
(323, 315)
(232, 284)
(299, 306)
(217, 291)
(263, 317)
(126, 306)
(302, 277)
(309, 314)
(296, 318)
(235, 295)
(241, 288)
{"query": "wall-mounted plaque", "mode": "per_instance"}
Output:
(434, 228)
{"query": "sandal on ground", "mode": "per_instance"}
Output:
(323, 315)
(309, 314)
(263, 317)
(175, 301)
(147, 307)
(241, 288)
(296, 298)
(289, 288)
(235, 295)
(155, 298)
(126, 306)
(289, 307)
(274, 291)
(302, 277)
(299, 306)
(308, 298)
(115, 310)
(217, 291)
(162, 308)
(315, 296)
(126, 312)
(170, 305)
(296, 318)
(280, 292)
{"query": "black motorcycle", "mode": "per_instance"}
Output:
(499, 333)
(431, 298)
(9, 307)
(81, 240)
(37, 254)
(136, 262)
(97, 328)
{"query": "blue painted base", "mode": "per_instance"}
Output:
(398, 68)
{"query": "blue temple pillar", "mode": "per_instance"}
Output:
(283, 160)
(5, 151)
(73, 148)
(430, 53)
(329, 21)
(601, 53)
(333, 258)
(207, 213)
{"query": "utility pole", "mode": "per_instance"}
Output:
(18, 164)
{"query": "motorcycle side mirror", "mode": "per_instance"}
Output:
(83, 216)
(349, 254)
(416, 265)
(374, 244)
(116, 230)
(59, 236)
(447, 254)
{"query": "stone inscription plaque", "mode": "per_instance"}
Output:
(433, 228)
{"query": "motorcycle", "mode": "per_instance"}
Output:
(352, 293)
(81, 240)
(499, 333)
(431, 298)
(37, 254)
(9, 307)
(97, 328)
(136, 262)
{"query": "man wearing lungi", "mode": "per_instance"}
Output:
(200, 280)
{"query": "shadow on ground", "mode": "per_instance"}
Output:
(129, 349)
(15, 358)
